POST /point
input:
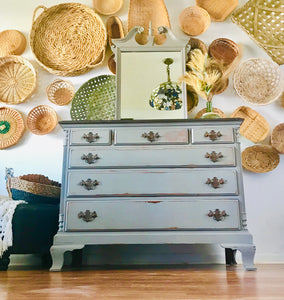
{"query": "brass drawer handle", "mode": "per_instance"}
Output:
(151, 136)
(91, 137)
(213, 135)
(89, 158)
(217, 215)
(87, 216)
(215, 182)
(89, 184)
(214, 156)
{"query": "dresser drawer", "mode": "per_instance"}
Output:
(183, 156)
(132, 136)
(138, 182)
(156, 215)
(90, 136)
(214, 134)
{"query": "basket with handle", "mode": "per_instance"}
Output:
(68, 39)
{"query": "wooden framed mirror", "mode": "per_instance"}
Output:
(148, 75)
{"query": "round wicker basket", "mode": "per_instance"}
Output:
(215, 110)
(258, 81)
(260, 158)
(17, 79)
(107, 7)
(68, 39)
(277, 138)
(12, 42)
(12, 127)
(60, 92)
(42, 119)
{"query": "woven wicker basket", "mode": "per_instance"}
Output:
(140, 13)
(68, 39)
(12, 127)
(17, 79)
(12, 42)
(60, 92)
(95, 99)
(33, 188)
(42, 119)
(277, 138)
(254, 127)
(215, 110)
(107, 7)
(262, 20)
(260, 158)
(258, 81)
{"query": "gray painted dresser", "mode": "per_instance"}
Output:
(152, 182)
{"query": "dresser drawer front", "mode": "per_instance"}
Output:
(214, 134)
(146, 136)
(88, 157)
(155, 215)
(90, 136)
(123, 182)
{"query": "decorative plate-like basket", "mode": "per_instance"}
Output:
(41, 119)
(260, 158)
(12, 127)
(60, 92)
(68, 39)
(254, 127)
(107, 7)
(262, 20)
(17, 79)
(12, 42)
(277, 138)
(258, 81)
(95, 99)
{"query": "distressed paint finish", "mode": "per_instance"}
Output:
(152, 191)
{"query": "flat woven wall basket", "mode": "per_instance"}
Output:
(68, 39)
(262, 20)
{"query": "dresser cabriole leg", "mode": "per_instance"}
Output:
(57, 254)
(247, 252)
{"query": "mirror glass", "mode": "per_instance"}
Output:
(148, 75)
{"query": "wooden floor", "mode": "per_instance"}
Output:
(161, 282)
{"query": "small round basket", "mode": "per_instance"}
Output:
(41, 119)
(12, 127)
(258, 81)
(12, 42)
(215, 110)
(260, 158)
(60, 92)
(68, 39)
(17, 79)
(277, 138)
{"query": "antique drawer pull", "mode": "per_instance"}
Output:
(218, 215)
(214, 156)
(151, 136)
(213, 135)
(89, 184)
(215, 182)
(87, 216)
(91, 137)
(89, 158)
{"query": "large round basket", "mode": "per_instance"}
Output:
(258, 81)
(68, 39)
(260, 158)
(12, 127)
(17, 79)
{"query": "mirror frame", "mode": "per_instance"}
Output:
(129, 45)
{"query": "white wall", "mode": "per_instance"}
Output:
(43, 154)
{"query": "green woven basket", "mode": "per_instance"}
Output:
(95, 99)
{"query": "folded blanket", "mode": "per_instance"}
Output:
(7, 209)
